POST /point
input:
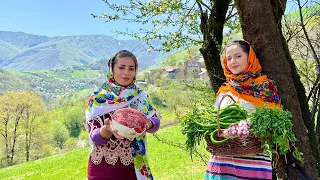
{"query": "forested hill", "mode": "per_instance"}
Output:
(52, 84)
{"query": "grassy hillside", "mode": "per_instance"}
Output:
(11, 82)
(7, 50)
(178, 58)
(167, 163)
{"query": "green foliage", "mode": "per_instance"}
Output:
(174, 22)
(157, 101)
(173, 61)
(84, 135)
(70, 145)
(47, 150)
(19, 125)
(179, 96)
(74, 120)
(51, 84)
(275, 126)
(60, 134)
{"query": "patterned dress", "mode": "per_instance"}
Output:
(243, 167)
(118, 159)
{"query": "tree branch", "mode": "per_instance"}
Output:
(315, 84)
(306, 34)
(202, 3)
(230, 15)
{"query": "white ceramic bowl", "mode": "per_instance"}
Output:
(125, 131)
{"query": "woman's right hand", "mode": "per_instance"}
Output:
(107, 130)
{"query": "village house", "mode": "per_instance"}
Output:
(173, 71)
(192, 68)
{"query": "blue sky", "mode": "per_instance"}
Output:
(58, 17)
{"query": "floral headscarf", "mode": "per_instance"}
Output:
(251, 85)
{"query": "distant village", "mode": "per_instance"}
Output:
(193, 68)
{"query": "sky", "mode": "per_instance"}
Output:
(59, 18)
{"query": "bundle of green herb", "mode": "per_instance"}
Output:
(200, 122)
(275, 127)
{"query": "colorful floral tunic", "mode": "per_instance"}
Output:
(116, 159)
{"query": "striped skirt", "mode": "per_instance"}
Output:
(244, 167)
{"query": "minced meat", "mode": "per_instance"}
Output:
(131, 118)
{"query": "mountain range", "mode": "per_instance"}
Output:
(55, 67)
(21, 51)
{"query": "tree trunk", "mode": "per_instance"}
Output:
(318, 123)
(261, 26)
(212, 29)
(6, 138)
(318, 117)
(27, 133)
(15, 135)
(28, 145)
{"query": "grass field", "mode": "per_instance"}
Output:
(167, 162)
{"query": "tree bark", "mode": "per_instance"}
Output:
(261, 26)
(318, 122)
(5, 135)
(212, 29)
(19, 112)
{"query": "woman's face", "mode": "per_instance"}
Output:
(124, 71)
(236, 59)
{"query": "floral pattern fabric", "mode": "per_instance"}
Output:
(106, 100)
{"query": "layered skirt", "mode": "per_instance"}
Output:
(242, 167)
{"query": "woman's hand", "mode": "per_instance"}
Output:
(107, 130)
(148, 126)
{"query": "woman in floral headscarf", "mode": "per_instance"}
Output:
(246, 85)
(114, 157)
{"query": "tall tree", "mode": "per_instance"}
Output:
(34, 107)
(261, 25)
(11, 112)
(18, 112)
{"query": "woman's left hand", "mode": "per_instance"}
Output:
(148, 126)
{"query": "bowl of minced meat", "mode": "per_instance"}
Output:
(129, 122)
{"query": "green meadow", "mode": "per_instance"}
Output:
(167, 162)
